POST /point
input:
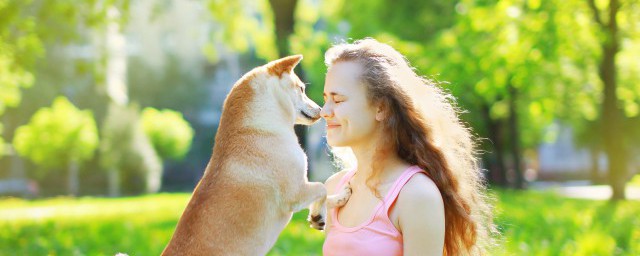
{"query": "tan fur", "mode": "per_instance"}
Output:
(256, 177)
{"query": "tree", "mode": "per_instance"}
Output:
(614, 115)
(126, 152)
(26, 29)
(29, 30)
(243, 25)
(598, 42)
(19, 47)
(573, 60)
(169, 133)
(139, 142)
(495, 56)
(57, 137)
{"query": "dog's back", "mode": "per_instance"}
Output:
(240, 206)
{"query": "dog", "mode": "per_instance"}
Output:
(257, 176)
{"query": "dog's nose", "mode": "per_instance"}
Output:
(316, 114)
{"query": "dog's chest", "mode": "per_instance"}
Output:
(294, 158)
(287, 153)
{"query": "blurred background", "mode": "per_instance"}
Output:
(122, 99)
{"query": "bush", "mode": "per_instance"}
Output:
(56, 137)
(169, 132)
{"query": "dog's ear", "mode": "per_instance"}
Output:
(286, 64)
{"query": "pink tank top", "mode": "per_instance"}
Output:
(377, 235)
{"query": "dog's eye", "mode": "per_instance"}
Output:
(301, 89)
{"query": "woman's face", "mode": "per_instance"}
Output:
(351, 119)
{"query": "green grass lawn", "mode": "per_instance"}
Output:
(532, 223)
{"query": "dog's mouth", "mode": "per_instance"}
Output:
(308, 116)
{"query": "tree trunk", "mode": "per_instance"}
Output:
(116, 81)
(594, 154)
(515, 137)
(497, 171)
(116, 59)
(73, 183)
(612, 128)
(153, 178)
(612, 116)
(114, 182)
(283, 11)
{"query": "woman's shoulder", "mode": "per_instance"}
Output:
(333, 180)
(418, 198)
(421, 190)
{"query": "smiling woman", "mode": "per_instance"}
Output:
(415, 164)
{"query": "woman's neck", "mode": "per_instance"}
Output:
(365, 157)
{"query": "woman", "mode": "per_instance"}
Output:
(416, 185)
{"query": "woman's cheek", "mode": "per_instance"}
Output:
(339, 111)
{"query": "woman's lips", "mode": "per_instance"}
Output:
(331, 126)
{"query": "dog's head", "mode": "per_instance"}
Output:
(307, 111)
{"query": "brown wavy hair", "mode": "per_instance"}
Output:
(423, 128)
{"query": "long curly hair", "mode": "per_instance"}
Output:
(423, 128)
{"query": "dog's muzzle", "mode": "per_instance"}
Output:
(309, 116)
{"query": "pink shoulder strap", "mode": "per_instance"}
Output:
(402, 180)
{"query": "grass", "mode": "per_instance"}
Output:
(101, 226)
(532, 223)
(535, 223)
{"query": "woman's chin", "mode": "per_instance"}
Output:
(333, 142)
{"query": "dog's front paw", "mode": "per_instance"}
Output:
(316, 221)
(343, 197)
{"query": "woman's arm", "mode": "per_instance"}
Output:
(421, 217)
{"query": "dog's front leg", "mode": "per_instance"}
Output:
(317, 213)
(310, 192)
(318, 210)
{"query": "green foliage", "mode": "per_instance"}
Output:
(515, 47)
(19, 47)
(57, 136)
(242, 24)
(417, 21)
(27, 26)
(170, 133)
(143, 226)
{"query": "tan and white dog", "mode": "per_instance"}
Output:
(256, 177)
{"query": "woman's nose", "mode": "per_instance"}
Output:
(326, 111)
